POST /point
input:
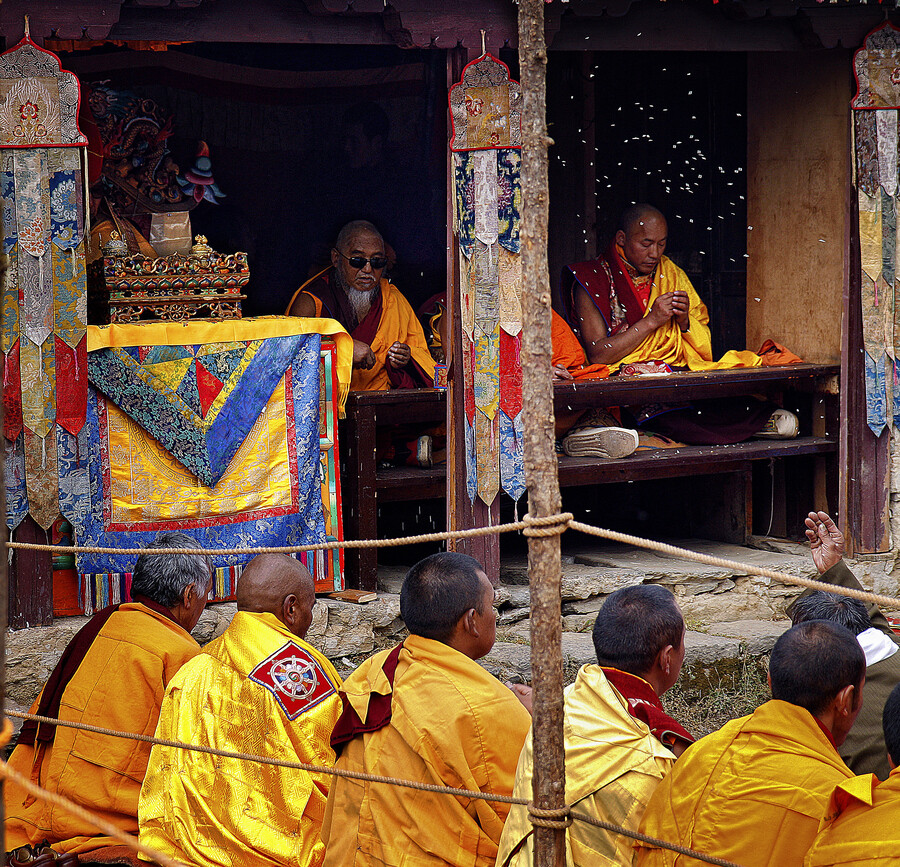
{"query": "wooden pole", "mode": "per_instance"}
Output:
(544, 573)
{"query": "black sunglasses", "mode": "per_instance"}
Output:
(359, 262)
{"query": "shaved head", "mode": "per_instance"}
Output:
(280, 585)
(638, 214)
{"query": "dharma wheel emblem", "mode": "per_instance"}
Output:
(295, 677)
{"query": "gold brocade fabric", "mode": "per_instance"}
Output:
(613, 766)
(147, 484)
(753, 792)
(227, 331)
(257, 689)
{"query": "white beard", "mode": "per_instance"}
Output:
(361, 302)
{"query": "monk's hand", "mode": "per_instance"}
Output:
(826, 541)
(362, 355)
(560, 374)
(399, 354)
(663, 310)
(681, 309)
(523, 693)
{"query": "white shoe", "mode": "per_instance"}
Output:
(601, 442)
(782, 425)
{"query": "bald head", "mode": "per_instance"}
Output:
(635, 216)
(349, 232)
(280, 585)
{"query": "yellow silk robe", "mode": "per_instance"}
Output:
(256, 689)
(613, 766)
(398, 323)
(693, 349)
(752, 792)
(119, 685)
(452, 724)
(861, 826)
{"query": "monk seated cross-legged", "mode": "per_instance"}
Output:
(635, 311)
(619, 741)
(426, 711)
(754, 791)
(861, 826)
(259, 689)
(389, 346)
(112, 674)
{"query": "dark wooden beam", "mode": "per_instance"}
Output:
(31, 579)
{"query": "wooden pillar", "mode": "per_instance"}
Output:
(544, 570)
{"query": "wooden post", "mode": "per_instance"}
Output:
(544, 571)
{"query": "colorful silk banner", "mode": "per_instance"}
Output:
(42, 152)
(488, 197)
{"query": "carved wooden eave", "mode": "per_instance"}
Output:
(576, 25)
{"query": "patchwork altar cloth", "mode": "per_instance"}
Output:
(252, 413)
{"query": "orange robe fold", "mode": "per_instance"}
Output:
(451, 724)
(861, 827)
(569, 353)
(752, 792)
(119, 685)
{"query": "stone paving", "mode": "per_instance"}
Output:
(733, 618)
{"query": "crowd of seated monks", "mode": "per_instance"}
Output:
(808, 778)
(629, 311)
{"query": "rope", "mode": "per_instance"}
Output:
(474, 532)
(549, 525)
(662, 547)
(560, 817)
(555, 817)
(6, 772)
(650, 841)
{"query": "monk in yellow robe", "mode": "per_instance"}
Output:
(113, 674)
(389, 345)
(862, 822)
(259, 689)
(636, 311)
(426, 711)
(619, 741)
(754, 791)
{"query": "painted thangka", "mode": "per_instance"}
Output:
(42, 154)
(223, 431)
(876, 117)
(486, 142)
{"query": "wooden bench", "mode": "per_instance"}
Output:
(810, 390)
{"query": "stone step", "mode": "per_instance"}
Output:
(712, 658)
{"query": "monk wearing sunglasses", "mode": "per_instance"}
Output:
(389, 346)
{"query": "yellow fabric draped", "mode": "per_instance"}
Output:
(752, 792)
(151, 485)
(197, 331)
(452, 724)
(398, 323)
(613, 766)
(693, 349)
(861, 827)
(119, 685)
(206, 810)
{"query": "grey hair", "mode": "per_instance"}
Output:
(353, 228)
(164, 577)
(820, 605)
